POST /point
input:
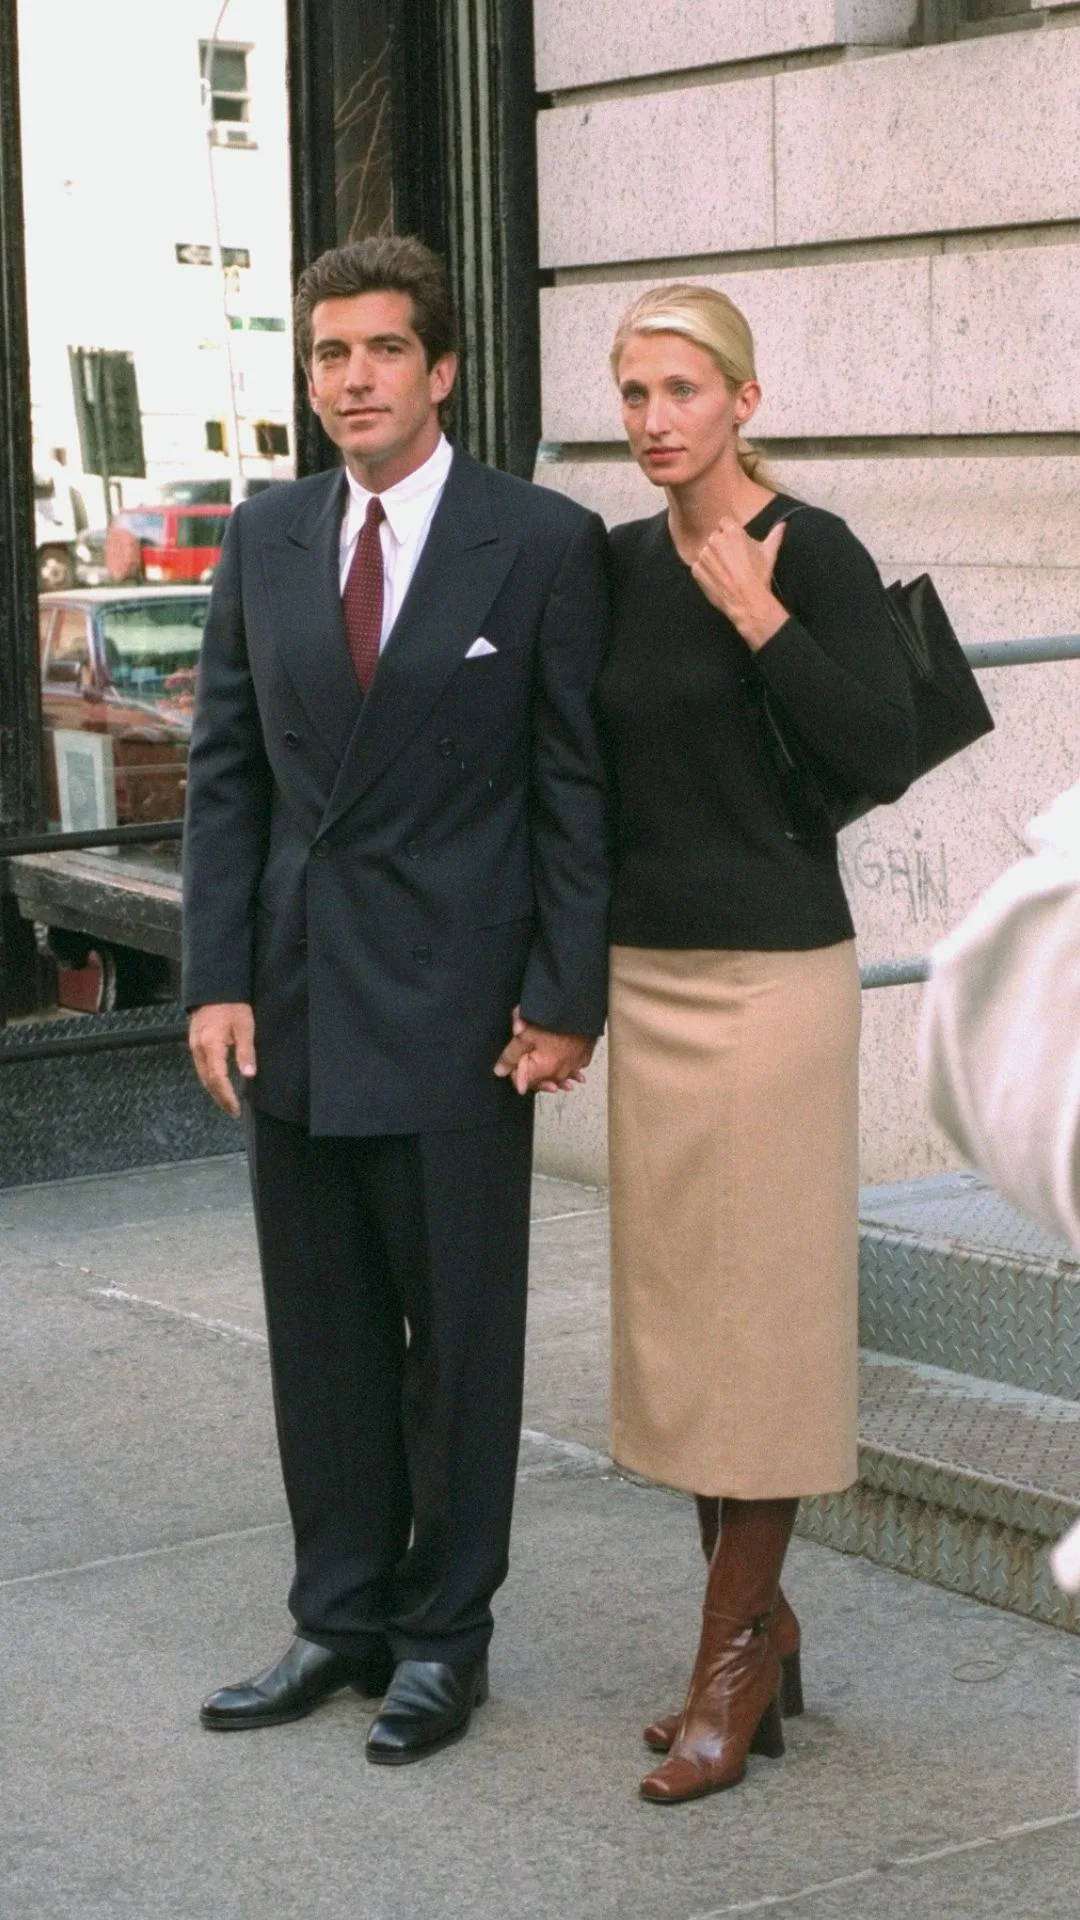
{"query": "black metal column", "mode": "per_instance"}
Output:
(311, 146)
(489, 118)
(20, 693)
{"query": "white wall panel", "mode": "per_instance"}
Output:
(980, 133)
(1007, 341)
(840, 350)
(585, 42)
(658, 173)
(991, 517)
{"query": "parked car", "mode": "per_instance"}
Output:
(167, 545)
(121, 663)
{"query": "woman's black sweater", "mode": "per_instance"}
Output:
(704, 852)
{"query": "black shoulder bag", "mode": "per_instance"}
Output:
(950, 713)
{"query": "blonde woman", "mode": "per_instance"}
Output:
(734, 1017)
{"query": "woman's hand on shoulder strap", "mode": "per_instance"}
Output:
(735, 573)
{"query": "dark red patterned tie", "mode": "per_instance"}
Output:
(362, 601)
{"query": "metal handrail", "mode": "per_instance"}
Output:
(76, 1043)
(896, 973)
(1022, 653)
(145, 834)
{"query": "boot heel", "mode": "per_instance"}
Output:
(480, 1697)
(791, 1693)
(769, 1737)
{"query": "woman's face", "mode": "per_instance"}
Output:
(679, 413)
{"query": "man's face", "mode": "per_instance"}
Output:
(372, 388)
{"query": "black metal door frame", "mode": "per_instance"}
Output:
(20, 693)
(460, 166)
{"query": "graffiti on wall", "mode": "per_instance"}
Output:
(916, 875)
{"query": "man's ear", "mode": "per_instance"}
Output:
(443, 375)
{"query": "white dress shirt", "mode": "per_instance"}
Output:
(409, 508)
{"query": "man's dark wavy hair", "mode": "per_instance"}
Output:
(383, 263)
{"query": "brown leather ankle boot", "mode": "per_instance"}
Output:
(732, 1708)
(660, 1733)
(787, 1638)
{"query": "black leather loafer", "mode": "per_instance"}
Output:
(429, 1704)
(303, 1676)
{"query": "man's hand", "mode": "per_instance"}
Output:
(539, 1061)
(214, 1033)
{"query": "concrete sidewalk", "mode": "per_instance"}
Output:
(144, 1557)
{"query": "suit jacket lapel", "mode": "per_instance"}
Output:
(302, 572)
(460, 571)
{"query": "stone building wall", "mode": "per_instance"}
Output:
(901, 225)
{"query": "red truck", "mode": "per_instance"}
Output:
(167, 545)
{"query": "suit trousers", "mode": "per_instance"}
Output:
(395, 1271)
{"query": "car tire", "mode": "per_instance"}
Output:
(55, 570)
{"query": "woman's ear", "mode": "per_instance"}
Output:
(747, 402)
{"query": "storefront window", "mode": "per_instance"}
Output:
(158, 266)
(158, 254)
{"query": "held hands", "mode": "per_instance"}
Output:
(735, 575)
(539, 1061)
(214, 1032)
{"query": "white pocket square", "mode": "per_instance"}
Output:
(479, 648)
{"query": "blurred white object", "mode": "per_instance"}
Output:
(1065, 1561)
(1000, 1035)
(1000, 1043)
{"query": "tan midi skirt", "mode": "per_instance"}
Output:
(733, 1123)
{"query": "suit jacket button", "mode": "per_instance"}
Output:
(422, 956)
(320, 849)
(413, 849)
(291, 739)
(446, 748)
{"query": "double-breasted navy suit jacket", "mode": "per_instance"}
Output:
(384, 879)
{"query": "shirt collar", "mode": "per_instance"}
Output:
(407, 504)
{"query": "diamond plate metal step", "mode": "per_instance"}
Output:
(952, 1276)
(963, 1481)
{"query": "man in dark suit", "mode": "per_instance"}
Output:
(395, 895)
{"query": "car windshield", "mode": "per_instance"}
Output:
(152, 651)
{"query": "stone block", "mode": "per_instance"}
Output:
(1005, 527)
(1006, 332)
(657, 174)
(840, 350)
(615, 489)
(582, 43)
(978, 133)
(999, 514)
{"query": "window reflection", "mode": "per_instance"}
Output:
(158, 258)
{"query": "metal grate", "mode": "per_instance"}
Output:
(952, 1276)
(962, 1210)
(1001, 1432)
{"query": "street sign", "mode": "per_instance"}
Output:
(191, 253)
